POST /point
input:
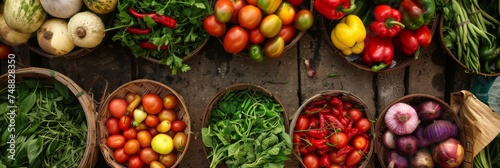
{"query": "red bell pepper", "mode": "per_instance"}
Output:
(387, 21)
(324, 160)
(410, 41)
(334, 9)
(378, 53)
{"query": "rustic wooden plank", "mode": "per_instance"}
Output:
(390, 86)
(22, 59)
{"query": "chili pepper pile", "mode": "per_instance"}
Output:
(379, 30)
(332, 132)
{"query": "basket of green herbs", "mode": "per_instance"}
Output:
(47, 121)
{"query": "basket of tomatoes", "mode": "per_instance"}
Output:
(333, 128)
(144, 122)
(259, 29)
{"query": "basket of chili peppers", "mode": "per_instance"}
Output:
(333, 128)
(259, 29)
(380, 35)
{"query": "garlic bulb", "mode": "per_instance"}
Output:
(62, 8)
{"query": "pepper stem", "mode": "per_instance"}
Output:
(391, 22)
(378, 67)
(417, 53)
(351, 8)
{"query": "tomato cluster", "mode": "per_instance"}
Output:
(331, 132)
(145, 130)
(265, 25)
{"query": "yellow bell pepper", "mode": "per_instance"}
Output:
(349, 35)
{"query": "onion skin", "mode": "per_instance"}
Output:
(401, 119)
(419, 134)
(388, 140)
(421, 159)
(406, 144)
(440, 130)
(449, 153)
(62, 8)
(429, 110)
(395, 160)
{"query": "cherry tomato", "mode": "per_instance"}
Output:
(116, 141)
(152, 103)
(129, 97)
(112, 126)
(354, 114)
(302, 123)
(5, 50)
(359, 142)
(223, 10)
(354, 158)
(286, 12)
(124, 122)
(238, 4)
(274, 48)
(249, 17)
(178, 126)
(214, 27)
(153, 132)
(167, 114)
(252, 2)
(144, 138)
(120, 155)
(179, 141)
(235, 39)
(311, 160)
(256, 37)
(148, 155)
(135, 162)
(363, 125)
(132, 146)
(303, 20)
(130, 133)
(151, 120)
(117, 107)
(339, 140)
(335, 158)
(270, 25)
(287, 32)
(335, 166)
(170, 101)
(164, 126)
(168, 160)
(156, 164)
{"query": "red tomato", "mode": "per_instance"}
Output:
(359, 142)
(363, 125)
(252, 2)
(148, 155)
(339, 140)
(124, 122)
(354, 114)
(153, 132)
(223, 10)
(168, 160)
(303, 20)
(354, 158)
(120, 155)
(167, 114)
(170, 101)
(144, 138)
(5, 50)
(152, 103)
(286, 12)
(249, 17)
(112, 126)
(135, 162)
(151, 120)
(311, 160)
(302, 123)
(130, 133)
(116, 141)
(287, 32)
(117, 107)
(335, 166)
(256, 37)
(214, 27)
(132, 146)
(178, 126)
(238, 4)
(335, 158)
(235, 40)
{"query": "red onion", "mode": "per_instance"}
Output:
(401, 119)
(419, 134)
(449, 153)
(440, 130)
(406, 144)
(421, 159)
(388, 140)
(429, 110)
(394, 160)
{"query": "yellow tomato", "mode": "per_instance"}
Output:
(286, 12)
(164, 126)
(270, 25)
(162, 144)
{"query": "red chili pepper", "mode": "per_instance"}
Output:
(345, 150)
(165, 21)
(387, 21)
(337, 106)
(409, 42)
(334, 9)
(322, 121)
(319, 103)
(151, 46)
(367, 147)
(324, 151)
(378, 52)
(297, 138)
(324, 160)
(347, 105)
(317, 133)
(321, 143)
(351, 132)
(311, 111)
(334, 122)
(295, 2)
(313, 122)
(140, 15)
(138, 30)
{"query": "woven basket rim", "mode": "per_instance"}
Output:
(380, 150)
(101, 133)
(343, 95)
(450, 54)
(89, 158)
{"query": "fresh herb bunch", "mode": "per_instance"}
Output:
(181, 40)
(247, 130)
(50, 126)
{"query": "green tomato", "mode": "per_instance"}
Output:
(270, 25)
(223, 10)
(303, 20)
(256, 53)
(274, 48)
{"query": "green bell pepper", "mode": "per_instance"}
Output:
(497, 64)
(416, 13)
(256, 53)
(487, 52)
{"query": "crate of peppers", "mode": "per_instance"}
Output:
(379, 35)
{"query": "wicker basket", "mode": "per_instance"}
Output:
(448, 114)
(215, 99)
(344, 96)
(401, 60)
(91, 152)
(140, 87)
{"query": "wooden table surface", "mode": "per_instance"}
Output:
(433, 73)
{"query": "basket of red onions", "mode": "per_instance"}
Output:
(420, 130)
